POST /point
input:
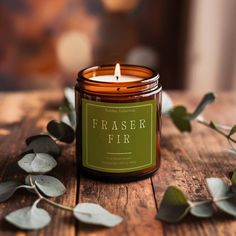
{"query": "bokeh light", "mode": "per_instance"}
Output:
(142, 55)
(120, 5)
(74, 51)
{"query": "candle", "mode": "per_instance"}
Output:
(118, 122)
(116, 78)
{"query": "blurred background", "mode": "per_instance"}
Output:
(43, 44)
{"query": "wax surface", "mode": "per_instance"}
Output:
(112, 78)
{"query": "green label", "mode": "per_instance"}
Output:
(118, 137)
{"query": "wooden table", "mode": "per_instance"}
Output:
(187, 159)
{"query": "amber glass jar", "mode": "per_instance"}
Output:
(118, 123)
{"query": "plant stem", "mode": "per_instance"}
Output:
(223, 198)
(57, 204)
(217, 199)
(25, 186)
(193, 204)
(231, 145)
(217, 130)
(47, 200)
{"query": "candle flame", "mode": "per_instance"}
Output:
(117, 71)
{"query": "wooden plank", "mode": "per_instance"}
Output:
(133, 201)
(187, 159)
(22, 115)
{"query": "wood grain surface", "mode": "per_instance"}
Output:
(187, 159)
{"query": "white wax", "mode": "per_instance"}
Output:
(112, 78)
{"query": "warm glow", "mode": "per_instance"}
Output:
(117, 71)
(120, 5)
(74, 51)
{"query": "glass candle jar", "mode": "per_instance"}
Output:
(118, 122)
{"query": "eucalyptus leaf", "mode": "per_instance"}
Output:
(174, 205)
(230, 150)
(206, 100)
(61, 131)
(217, 187)
(70, 96)
(43, 144)
(180, 118)
(228, 205)
(222, 196)
(202, 209)
(68, 111)
(233, 178)
(95, 214)
(65, 119)
(29, 217)
(7, 189)
(167, 103)
(232, 131)
(37, 163)
(72, 117)
(223, 127)
(48, 185)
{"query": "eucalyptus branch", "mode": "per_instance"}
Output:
(218, 199)
(214, 199)
(231, 145)
(175, 205)
(58, 205)
(41, 158)
(216, 129)
(194, 204)
(182, 118)
(24, 186)
(46, 199)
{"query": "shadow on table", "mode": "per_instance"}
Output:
(194, 224)
(88, 228)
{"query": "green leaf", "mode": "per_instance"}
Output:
(61, 131)
(233, 178)
(43, 144)
(202, 209)
(180, 118)
(228, 205)
(167, 103)
(91, 213)
(174, 206)
(7, 189)
(217, 187)
(232, 131)
(29, 217)
(48, 185)
(206, 100)
(37, 163)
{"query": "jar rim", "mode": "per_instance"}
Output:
(149, 79)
